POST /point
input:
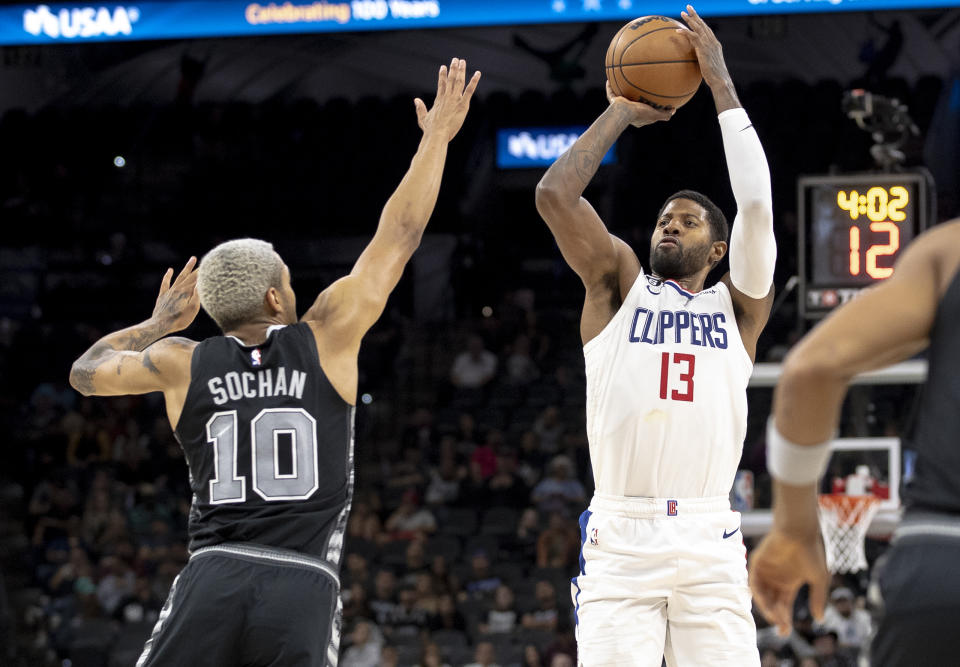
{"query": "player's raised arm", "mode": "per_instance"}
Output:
(753, 247)
(140, 359)
(885, 324)
(351, 305)
(590, 250)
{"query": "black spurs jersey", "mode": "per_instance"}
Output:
(269, 444)
(936, 434)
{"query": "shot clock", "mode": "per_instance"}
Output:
(853, 228)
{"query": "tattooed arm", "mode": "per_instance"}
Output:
(139, 359)
(606, 265)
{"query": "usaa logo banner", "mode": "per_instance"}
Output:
(80, 21)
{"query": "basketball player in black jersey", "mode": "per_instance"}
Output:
(265, 417)
(918, 306)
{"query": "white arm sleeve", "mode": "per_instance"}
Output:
(753, 248)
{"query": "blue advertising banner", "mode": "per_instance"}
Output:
(539, 146)
(43, 24)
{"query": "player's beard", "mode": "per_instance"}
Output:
(679, 262)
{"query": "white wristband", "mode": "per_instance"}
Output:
(790, 463)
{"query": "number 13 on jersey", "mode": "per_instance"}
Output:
(676, 376)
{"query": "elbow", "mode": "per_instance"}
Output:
(81, 379)
(759, 210)
(548, 197)
(809, 369)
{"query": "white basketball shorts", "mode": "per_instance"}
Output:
(663, 577)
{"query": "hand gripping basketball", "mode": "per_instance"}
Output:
(707, 47)
(452, 102)
(641, 114)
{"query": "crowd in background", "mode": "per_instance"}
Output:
(472, 459)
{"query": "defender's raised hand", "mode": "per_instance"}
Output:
(452, 102)
(640, 114)
(178, 303)
(709, 52)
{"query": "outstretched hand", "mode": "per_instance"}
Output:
(707, 46)
(641, 114)
(178, 303)
(778, 567)
(452, 102)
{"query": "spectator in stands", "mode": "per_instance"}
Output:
(420, 432)
(117, 581)
(485, 454)
(532, 460)
(384, 602)
(852, 625)
(481, 582)
(389, 657)
(142, 606)
(559, 491)
(415, 563)
(525, 539)
(484, 656)
(427, 599)
(357, 570)
(531, 656)
(409, 618)
(408, 472)
(474, 490)
(826, 650)
(444, 583)
(355, 602)
(549, 428)
(366, 645)
(474, 367)
(559, 544)
(545, 616)
(444, 487)
(410, 520)
(520, 366)
(506, 487)
(449, 617)
(430, 657)
(502, 618)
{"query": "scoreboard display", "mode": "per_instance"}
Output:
(853, 228)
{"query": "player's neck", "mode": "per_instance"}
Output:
(692, 284)
(253, 332)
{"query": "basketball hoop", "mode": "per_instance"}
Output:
(844, 521)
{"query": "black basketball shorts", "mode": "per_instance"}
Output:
(919, 581)
(245, 605)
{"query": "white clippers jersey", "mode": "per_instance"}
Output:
(667, 393)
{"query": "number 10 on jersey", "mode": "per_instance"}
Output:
(676, 376)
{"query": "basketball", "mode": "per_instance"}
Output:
(647, 61)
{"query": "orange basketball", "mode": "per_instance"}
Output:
(647, 61)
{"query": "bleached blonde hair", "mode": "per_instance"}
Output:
(233, 280)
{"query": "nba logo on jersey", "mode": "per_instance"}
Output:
(594, 536)
(255, 357)
(671, 508)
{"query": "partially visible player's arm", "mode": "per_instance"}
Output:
(885, 324)
(591, 251)
(139, 359)
(350, 306)
(753, 247)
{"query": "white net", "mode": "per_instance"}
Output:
(844, 521)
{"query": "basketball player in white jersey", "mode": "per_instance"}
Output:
(917, 307)
(663, 570)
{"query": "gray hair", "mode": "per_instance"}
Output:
(234, 278)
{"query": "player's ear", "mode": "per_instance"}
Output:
(717, 251)
(272, 301)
